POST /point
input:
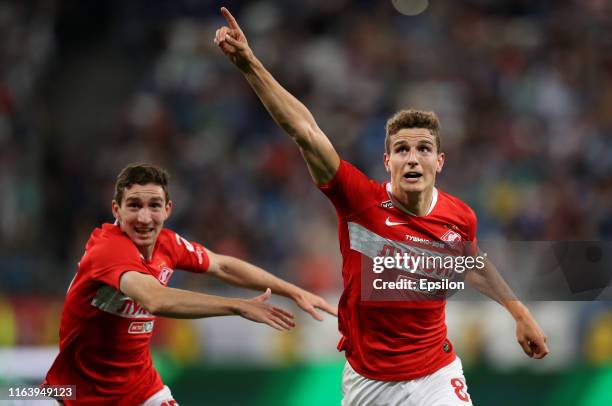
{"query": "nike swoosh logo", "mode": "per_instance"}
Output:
(392, 223)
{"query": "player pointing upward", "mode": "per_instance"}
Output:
(397, 355)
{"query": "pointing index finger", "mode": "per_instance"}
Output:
(230, 19)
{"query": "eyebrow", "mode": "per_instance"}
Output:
(400, 142)
(135, 198)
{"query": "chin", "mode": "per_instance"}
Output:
(143, 243)
(412, 188)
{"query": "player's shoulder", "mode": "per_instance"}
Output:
(109, 240)
(108, 234)
(352, 171)
(456, 206)
(167, 238)
(176, 248)
(171, 242)
(453, 201)
(351, 191)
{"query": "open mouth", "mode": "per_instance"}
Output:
(412, 176)
(143, 231)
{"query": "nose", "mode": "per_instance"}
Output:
(412, 157)
(144, 216)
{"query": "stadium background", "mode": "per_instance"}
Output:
(524, 93)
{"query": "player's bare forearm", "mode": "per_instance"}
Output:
(529, 335)
(160, 300)
(288, 112)
(163, 301)
(295, 119)
(243, 274)
(183, 304)
(489, 282)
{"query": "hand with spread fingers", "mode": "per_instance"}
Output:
(309, 302)
(232, 41)
(258, 310)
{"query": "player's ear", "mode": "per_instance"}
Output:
(115, 209)
(168, 208)
(386, 161)
(441, 157)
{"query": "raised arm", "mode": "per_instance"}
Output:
(288, 112)
(240, 273)
(528, 333)
(182, 304)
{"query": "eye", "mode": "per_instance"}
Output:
(132, 205)
(401, 148)
(424, 148)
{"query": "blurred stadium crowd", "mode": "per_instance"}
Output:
(523, 90)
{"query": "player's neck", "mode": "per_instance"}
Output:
(146, 252)
(417, 203)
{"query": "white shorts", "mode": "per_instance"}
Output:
(161, 398)
(445, 387)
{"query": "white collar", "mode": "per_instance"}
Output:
(434, 200)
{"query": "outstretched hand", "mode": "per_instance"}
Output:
(309, 302)
(258, 310)
(232, 40)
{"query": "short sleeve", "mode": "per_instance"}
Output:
(187, 255)
(112, 258)
(350, 190)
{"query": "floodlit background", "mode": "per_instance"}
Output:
(524, 93)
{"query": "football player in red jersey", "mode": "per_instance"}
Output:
(397, 353)
(121, 286)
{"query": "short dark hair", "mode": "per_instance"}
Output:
(412, 119)
(141, 174)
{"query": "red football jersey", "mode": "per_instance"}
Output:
(384, 339)
(104, 335)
